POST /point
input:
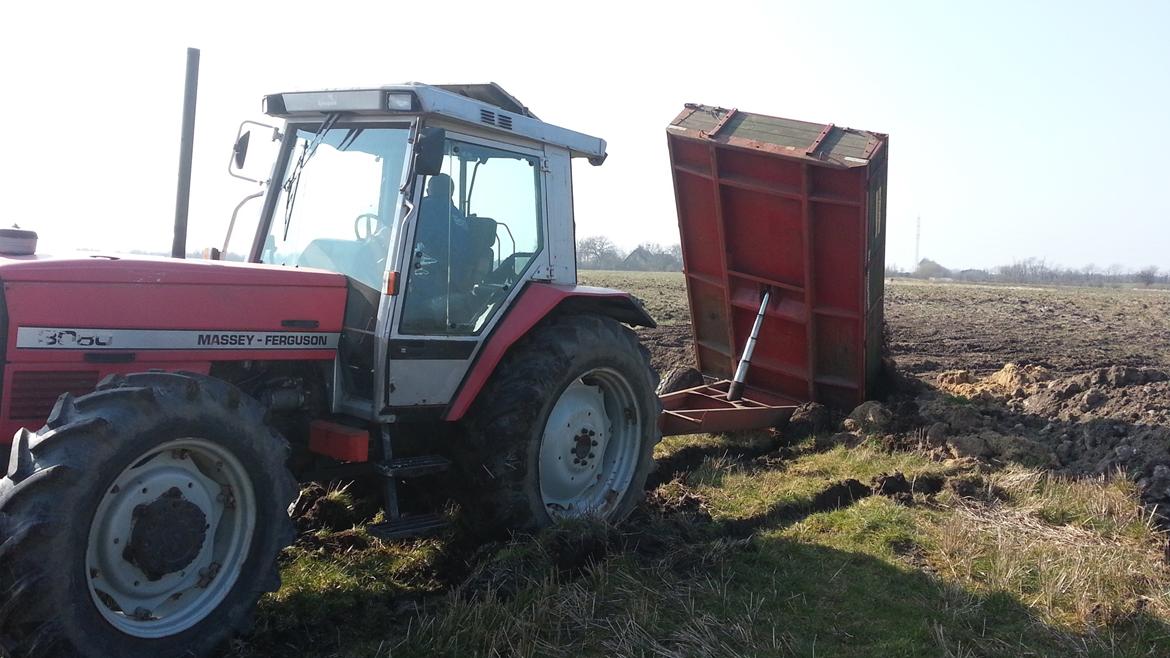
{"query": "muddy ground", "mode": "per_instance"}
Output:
(937, 327)
(1070, 379)
(1066, 381)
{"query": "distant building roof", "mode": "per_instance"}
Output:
(643, 259)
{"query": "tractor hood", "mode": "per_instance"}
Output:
(162, 311)
(67, 322)
(145, 269)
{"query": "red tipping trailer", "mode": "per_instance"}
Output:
(794, 210)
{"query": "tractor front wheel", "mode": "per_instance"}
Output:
(565, 428)
(144, 519)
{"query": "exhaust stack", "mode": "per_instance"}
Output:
(186, 147)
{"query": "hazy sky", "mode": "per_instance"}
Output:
(1016, 128)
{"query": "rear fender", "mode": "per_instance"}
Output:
(536, 302)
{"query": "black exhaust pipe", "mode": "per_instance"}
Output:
(186, 147)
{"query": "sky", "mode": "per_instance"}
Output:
(1017, 129)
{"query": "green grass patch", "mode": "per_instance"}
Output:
(738, 556)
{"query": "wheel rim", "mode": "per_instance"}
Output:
(151, 571)
(590, 447)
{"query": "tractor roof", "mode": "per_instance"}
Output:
(486, 105)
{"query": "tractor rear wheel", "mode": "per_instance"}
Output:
(144, 519)
(566, 427)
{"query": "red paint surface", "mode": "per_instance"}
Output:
(9, 426)
(813, 232)
(533, 305)
(158, 294)
(341, 442)
(145, 269)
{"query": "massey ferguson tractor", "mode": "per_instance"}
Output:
(414, 271)
(407, 305)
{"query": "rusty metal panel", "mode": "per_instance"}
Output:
(707, 409)
(797, 208)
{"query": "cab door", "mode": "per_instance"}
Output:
(475, 233)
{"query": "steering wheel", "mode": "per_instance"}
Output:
(368, 221)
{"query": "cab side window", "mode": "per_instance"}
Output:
(478, 229)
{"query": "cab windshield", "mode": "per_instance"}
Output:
(338, 197)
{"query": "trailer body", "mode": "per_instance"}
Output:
(791, 207)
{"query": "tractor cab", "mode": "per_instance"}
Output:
(437, 203)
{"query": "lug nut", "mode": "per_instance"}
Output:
(593, 443)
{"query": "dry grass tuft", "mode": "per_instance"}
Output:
(1082, 553)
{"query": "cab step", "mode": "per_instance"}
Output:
(403, 527)
(413, 467)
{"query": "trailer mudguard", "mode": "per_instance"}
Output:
(536, 302)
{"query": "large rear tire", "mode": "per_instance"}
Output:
(566, 427)
(144, 519)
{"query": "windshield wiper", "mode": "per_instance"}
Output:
(294, 180)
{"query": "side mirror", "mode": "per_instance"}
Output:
(429, 151)
(240, 150)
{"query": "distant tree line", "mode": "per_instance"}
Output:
(1038, 271)
(600, 253)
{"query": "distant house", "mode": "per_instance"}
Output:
(644, 260)
(973, 275)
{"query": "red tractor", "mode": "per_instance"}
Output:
(409, 303)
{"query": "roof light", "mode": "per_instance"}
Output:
(400, 101)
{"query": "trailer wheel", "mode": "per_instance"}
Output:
(144, 519)
(566, 427)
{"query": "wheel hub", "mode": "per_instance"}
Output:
(168, 535)
(169, 538)
(583, 445)
(590, 446)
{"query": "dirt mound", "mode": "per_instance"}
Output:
(318, 508)
(1097, 422)
(1013, 376)
(674, 497)
(1133, 394)
(1009, 380)
(678, 379)
(993, 445)
(869, 416)
(807, 419)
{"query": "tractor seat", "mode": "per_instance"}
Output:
(480, 239)
(482, 232)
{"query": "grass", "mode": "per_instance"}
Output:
(1081, 553)
(737, 555)
(753, 547)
